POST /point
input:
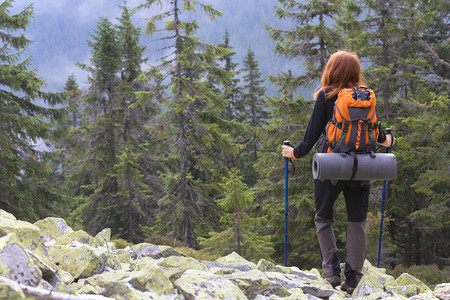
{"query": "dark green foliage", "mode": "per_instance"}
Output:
(242, 233)
(109, 167)
(254, 114)
(420, 205)
(232, 91)
(24, 111)
(287, 123)
(313, 39)
(194, 127)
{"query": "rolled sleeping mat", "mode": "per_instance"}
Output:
(339, 166)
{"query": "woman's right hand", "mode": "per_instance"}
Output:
(287, 151)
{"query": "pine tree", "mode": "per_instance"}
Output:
(64, 138)
(112, 165)
(24, 189)
(138, 185)
(378, 37)
(313, 40)
(232, 91)
(99, 131)
(254, 113)
(243, 233)
(73, 100)
(192, 123)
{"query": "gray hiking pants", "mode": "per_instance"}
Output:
(356, 195)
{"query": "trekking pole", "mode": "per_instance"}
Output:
(388, 131)
(286, 174)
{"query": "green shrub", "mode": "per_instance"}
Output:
(431, 275)
(121, 243)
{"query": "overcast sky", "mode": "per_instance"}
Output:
(56, 50)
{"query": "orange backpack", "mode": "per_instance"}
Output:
(354, 126)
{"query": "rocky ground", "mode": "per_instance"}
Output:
(49, 260)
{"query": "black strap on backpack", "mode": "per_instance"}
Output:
(372, 142)
(355, 164)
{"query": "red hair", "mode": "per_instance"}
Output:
(343, 70)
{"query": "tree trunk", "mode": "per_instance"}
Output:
(385, 61)
(182, 141)
(322, 52)
(238, 227)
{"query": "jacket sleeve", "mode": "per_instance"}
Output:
(317, 123)
(382, 135)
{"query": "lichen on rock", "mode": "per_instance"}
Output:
(16, 264)
(197, 284)
(51, 228)
(154, 251)
(80, 260)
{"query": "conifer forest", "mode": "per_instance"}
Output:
(187, 152)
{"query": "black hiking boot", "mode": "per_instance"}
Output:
(334, 280)
(350, 289)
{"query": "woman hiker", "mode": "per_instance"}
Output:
(343, 71)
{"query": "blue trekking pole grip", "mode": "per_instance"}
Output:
(388, 131)
(286, 174)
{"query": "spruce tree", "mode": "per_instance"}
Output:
(25, 115)
(232, 91)
(436, 47)
(191, 118)
(100, 132)
(228, 158)
(112, 165)
(73, 100)
(242, 233)
(254, 113)
(378, 37)
(138, 185)
(65, 138)
(313, 39)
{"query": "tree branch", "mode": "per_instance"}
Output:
(433, 54)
